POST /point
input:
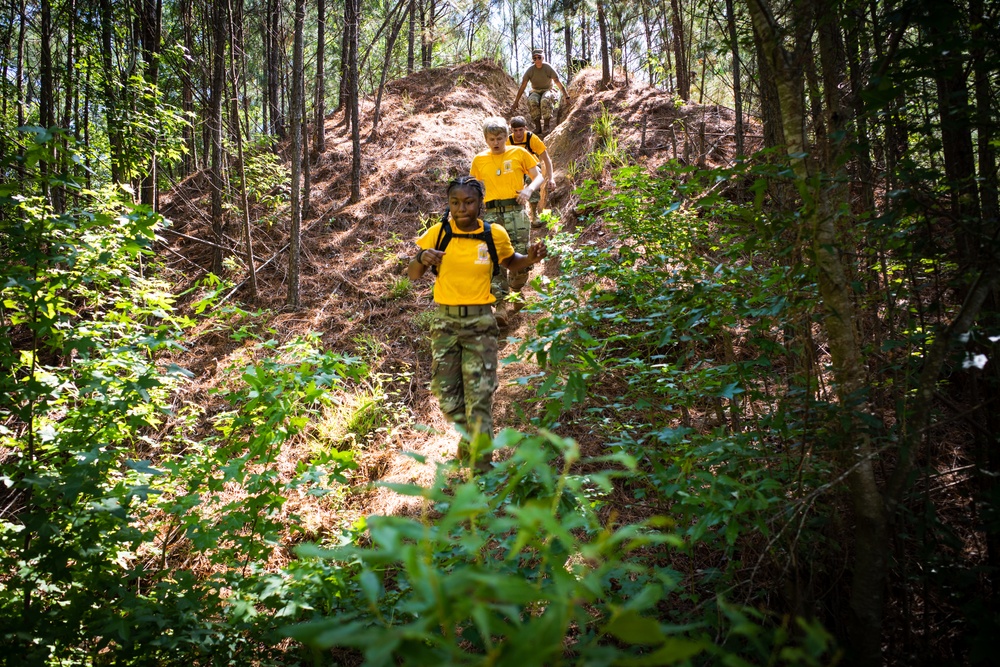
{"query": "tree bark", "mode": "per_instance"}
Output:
(274, 69)
(680, 52)
(319, 141)
(602, 23)
(149, 37)
(390, 42)
(734, 47)
(219, 22)
(295, 113)
(411, 37)
(870, 552)
(111, 92)
(352, 70)
(244, 200)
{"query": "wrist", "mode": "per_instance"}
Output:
(420, 256)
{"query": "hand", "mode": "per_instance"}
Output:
(524, 195)
(552, 182)
(431, 257)
(537, 252)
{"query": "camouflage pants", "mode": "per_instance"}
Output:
(541, 103)
(464, 371)
(518, 226)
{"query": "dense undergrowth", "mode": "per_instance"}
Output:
(665, 531)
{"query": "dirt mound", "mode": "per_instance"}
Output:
(354, 255)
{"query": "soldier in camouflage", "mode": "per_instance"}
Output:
(464, 331)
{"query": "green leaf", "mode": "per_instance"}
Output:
(632, 628)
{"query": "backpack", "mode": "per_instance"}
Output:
(527, 142)
(446, 234)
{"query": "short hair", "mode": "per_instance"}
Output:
(494, 125)
(468, 182)
(518, 121)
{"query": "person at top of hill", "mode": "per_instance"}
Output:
(520, 136)
(502, 169)
(464, 329)
(542, 99)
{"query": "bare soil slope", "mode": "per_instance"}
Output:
(353, 255)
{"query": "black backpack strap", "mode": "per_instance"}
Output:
(527, 143)
(491, 246)
(444, 236)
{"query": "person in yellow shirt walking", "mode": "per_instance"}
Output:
(465, 252)
(520, 136)
(502, 169)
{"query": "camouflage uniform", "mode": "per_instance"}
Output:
(518, 226)
(541, 103)
(464, 372)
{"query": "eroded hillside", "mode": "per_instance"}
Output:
(354, 255)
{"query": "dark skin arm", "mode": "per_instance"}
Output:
(422, 261)
(517, 261)
(427, 258)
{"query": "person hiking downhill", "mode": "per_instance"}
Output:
(520, 136)
(542, 99)
(502, 169)
(464, 329)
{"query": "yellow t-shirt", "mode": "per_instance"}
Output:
(466, 269)
(533, 145)
(504, 174)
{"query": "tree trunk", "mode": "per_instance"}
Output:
(648, 26)
(734, 47)
(111, 92)
(343, 92)
(946, 36)
(187, 89)
(568, 42)
(680, 52)
(149, 37)
(352, 70)
(411, 37)
(274, 69)
(244, 201)
(985, 126)
(295, 112)
(219, 20)
(46, 101)
(319, 141)
(870, 549)
(602, 23)
(390, 42)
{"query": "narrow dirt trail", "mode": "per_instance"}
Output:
(354, 257)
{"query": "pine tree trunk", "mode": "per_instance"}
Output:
(680, 52)
(219, 20)
(149, 37)
(274, 70)
(734, 47)
(111, 92)
(244, 200)
(870, 549)
(319, 141)
(295, 113)
(352, 70)
(411, 37)
(602, 23)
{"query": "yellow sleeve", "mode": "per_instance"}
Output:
(428, 239)
(537, 145)
(501, 239)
